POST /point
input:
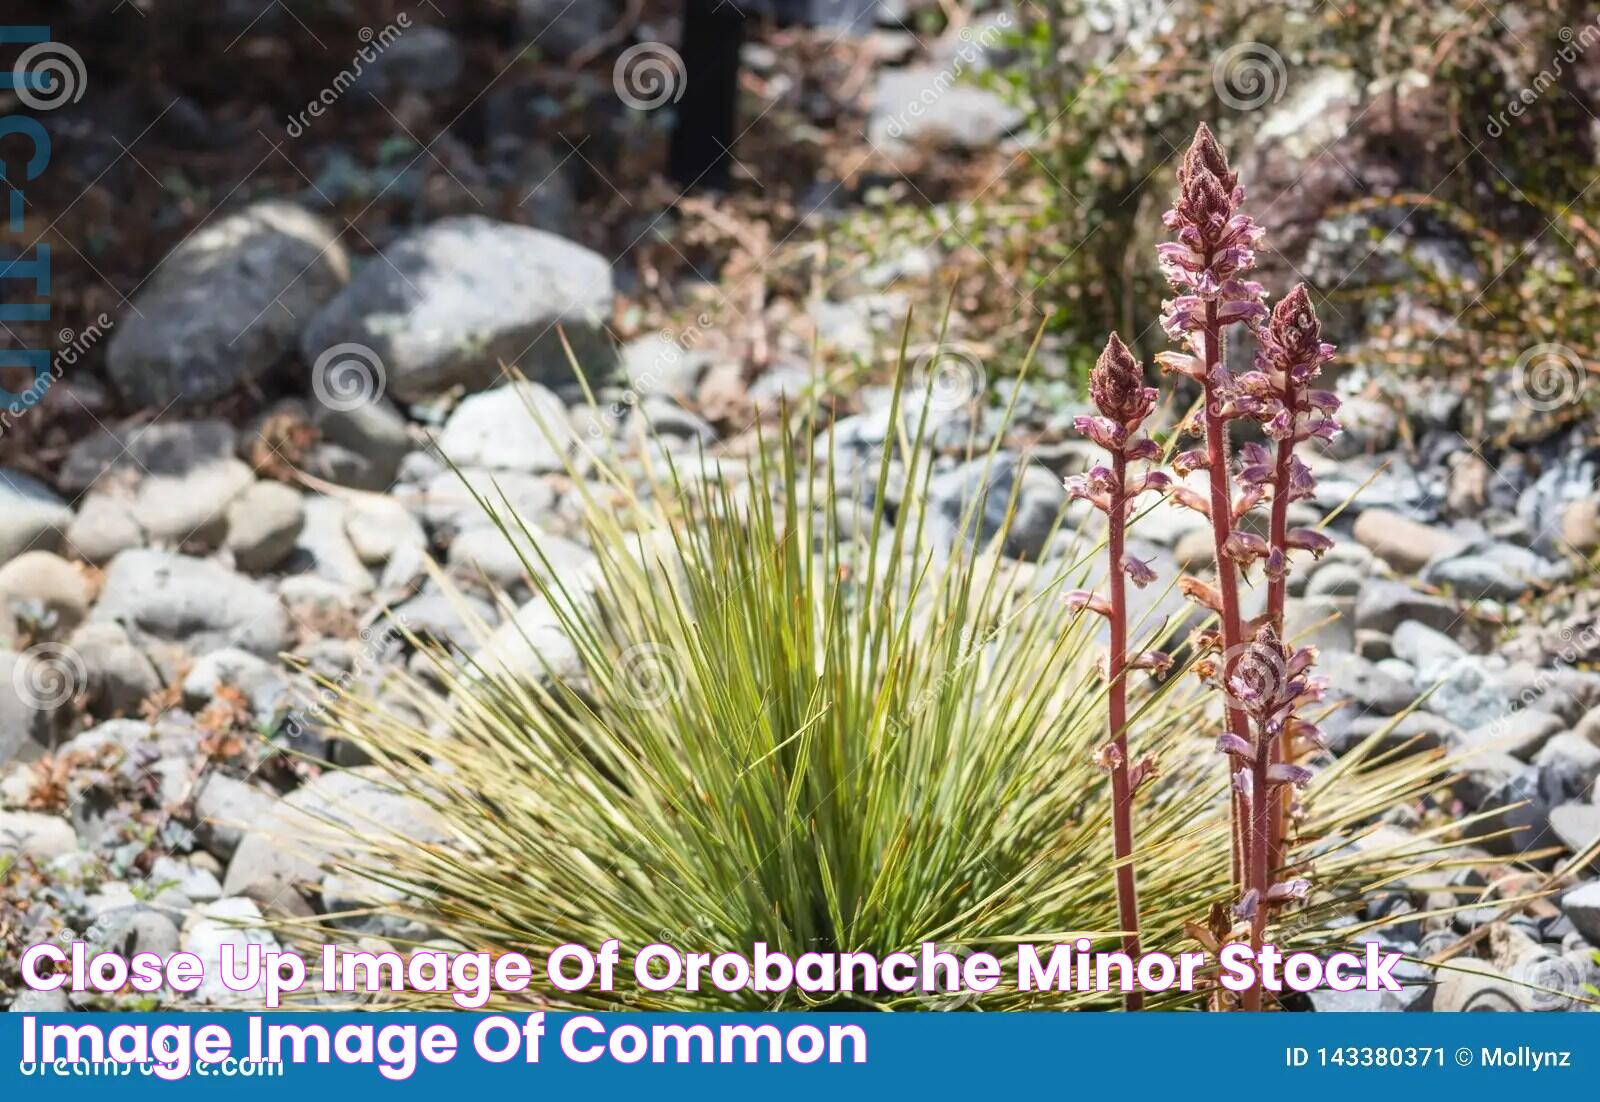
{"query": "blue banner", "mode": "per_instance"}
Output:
(790, 1055)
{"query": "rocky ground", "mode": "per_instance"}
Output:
(175, 578)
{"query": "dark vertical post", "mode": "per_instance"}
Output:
(703, 133)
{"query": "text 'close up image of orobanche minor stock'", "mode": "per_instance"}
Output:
(799, 545)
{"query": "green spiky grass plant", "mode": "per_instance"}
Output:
(818, 728)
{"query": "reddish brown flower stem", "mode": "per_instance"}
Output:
(1121, 788)
(1217, 460)
(1218, 457)
(1277, 592)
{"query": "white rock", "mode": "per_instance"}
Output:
(236, 922)
(501, 429)
(42, 837)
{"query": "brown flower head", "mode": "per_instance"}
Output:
(1205, 153)
(1117, 385)
(1294, 327)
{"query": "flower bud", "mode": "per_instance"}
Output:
(1117, 385)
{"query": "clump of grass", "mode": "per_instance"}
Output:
(796, 719)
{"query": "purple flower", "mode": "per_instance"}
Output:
(1138, 571)
(1308, 539)
(1082, 599)
(1229, 743)
(1289, 890)
(1284, 773)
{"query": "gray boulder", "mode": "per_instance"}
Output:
(35, 516)
(103, 529)
(373, 438)
(1519, 734)
(225, 305)
(1322, 622)
(504, 558)
(1570, 765)
(975, 497)
(1494, 570)
(450, 500)
(191, 601)
(1577, 826)
(120, 675)
(1470, 694)
(533, 645)
(224, 808)
(1417, 731)
(657, 364)
(449, 304)
(130, 930)
(1495, 781)
(1468, 984)
(1582, 906)
(285, 857)
(1352, 676)
(263, 684)
(323, 546)
(190, 510)
(1384, 605)
(923, 105)
(30, 834)
(38, 689)
(134, 451)
(1430, 652)
(263, 524)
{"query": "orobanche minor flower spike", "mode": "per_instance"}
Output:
(1264, 682)
(1291, 356)
(1116, 386)
(1215, 246)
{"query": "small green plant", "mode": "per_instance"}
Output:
(1111, 93)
